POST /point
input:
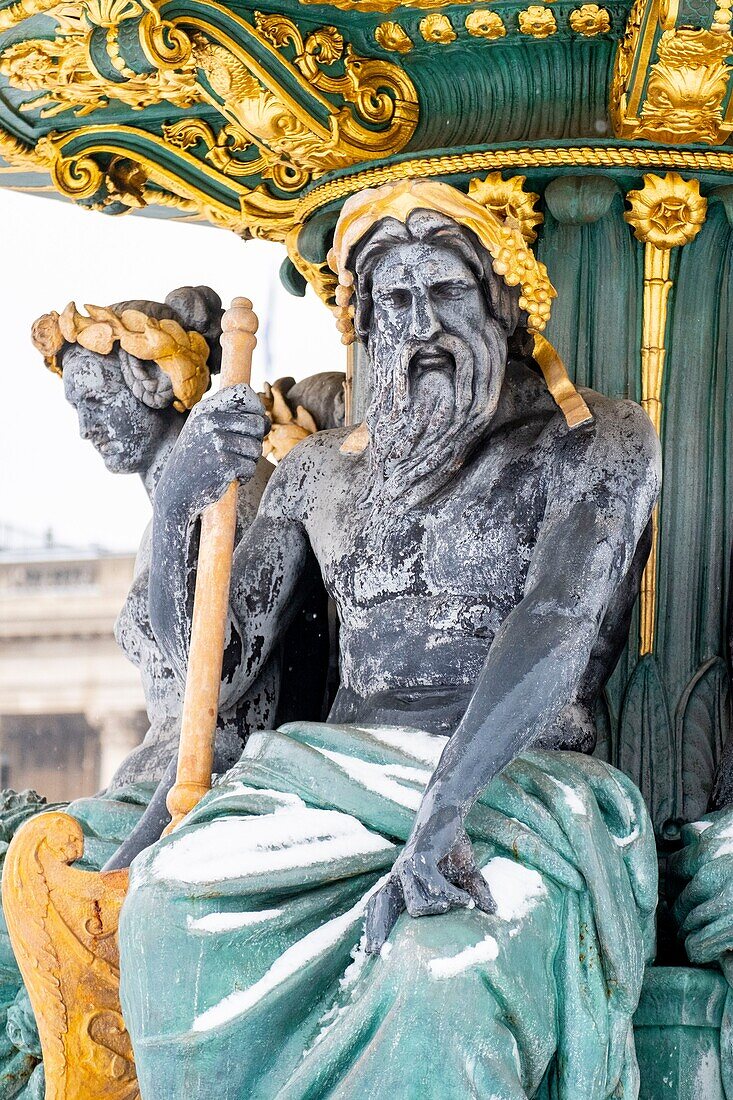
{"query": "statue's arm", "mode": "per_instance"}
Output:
(222, 442)
(600, 506)
(603, 496)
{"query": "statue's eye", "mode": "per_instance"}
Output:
(448, 292)
(399, 298)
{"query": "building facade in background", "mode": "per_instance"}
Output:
(71, 705)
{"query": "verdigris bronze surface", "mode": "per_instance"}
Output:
(483, 556)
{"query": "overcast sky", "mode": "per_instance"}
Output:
(52, 252)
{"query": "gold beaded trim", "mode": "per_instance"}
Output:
(458, 163)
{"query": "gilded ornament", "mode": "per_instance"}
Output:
(182, 355)
(385, 7)
(391, 36)
(24, 9)
(17, 154)
(316, 107)
(668, 212)
(537, 21)
(687, 87)
(63, 927)
(287, 429)
(509, 201)
(483, 23)
(672, 83)
(221, 148)
(437, 28)
(722, 17)
(293, 146)
(318, 275)
(590, 20)
(443, 164)
(60, 70)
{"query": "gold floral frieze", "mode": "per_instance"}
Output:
(437, 28)
(590, 20)
(483, 23)
(391, 36)
(672, 83)
(537, 21)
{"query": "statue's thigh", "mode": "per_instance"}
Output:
(466, 1000)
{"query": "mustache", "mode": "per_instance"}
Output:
(451, 355)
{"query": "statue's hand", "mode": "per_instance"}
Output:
(221, 442)
(704, 909)
(425, 884)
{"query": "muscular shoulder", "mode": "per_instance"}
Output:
(314, 463)
(615, 461)
(625, 443)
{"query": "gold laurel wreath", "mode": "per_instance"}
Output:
(512, 259)
(182, 355)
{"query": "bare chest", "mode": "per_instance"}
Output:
(470, 547)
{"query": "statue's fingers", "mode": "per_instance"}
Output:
(240, 427)
(705, 913)
(686, 863)
(430, 895)
(235, 443)
(478, 888)
(707, 884)
(381, 916)
(240, 396)
(466, 875)
(707, 945)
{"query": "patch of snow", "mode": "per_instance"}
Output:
(486, 950)
(285, 798)
(515, 888)
(414, 775)
(572, 798)
(624, 841)
(426, 747)
(290, 962)
(700, 826)
(375, 778)
(290, 838)
(230, 922)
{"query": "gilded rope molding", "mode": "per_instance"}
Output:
(668, 212)
(527, 157)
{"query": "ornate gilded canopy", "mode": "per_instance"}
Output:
(264, 117)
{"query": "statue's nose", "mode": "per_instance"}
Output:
(425, 323)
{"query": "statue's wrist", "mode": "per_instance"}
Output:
(435, 831)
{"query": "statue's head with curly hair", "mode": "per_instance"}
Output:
(132, 371)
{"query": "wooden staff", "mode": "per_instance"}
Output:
(211, 600)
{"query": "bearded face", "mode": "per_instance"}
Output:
(438, 354)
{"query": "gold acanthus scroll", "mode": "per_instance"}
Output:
(666, 213)
(63, 927)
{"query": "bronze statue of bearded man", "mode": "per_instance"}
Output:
(482, 542)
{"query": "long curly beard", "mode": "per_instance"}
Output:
(431, 404)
